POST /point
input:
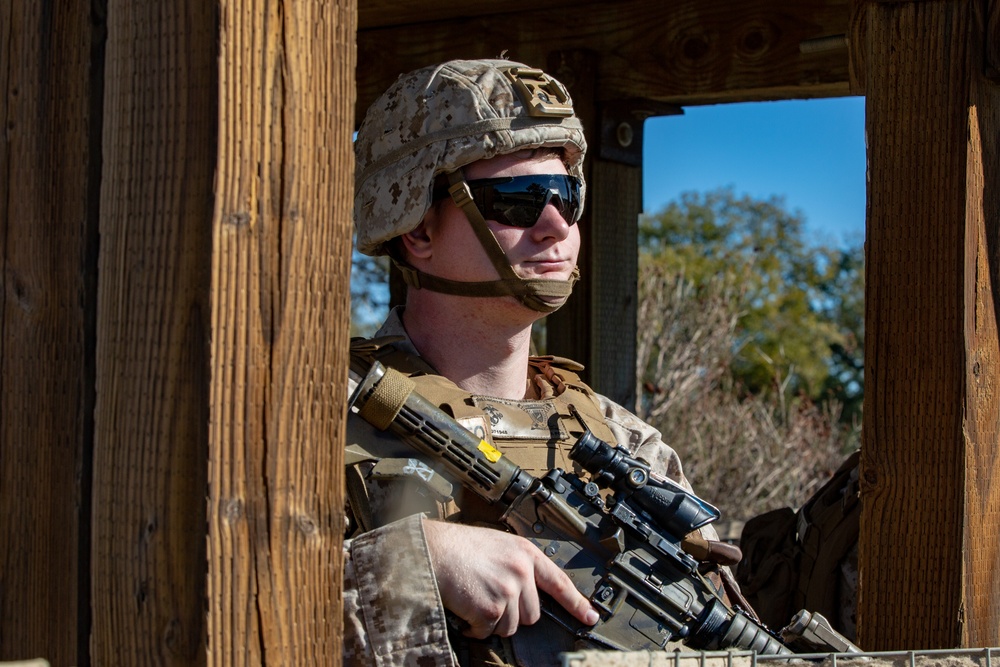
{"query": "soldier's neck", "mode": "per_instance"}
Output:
(480, 344)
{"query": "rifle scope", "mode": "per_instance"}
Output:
(668, 503)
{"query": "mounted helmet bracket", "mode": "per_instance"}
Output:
(541, 94)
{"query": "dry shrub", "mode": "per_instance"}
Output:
(747, 454)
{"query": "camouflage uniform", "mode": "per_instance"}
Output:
(427, 126)
(392, 611)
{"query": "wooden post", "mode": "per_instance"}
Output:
(281, 304)
(568, 331)
(222, 333)
(49, 171)
(616, 204)
(929, 549)
(597, 326)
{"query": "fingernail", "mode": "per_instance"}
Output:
(591, 617)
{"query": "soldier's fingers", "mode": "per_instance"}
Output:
(507, 625)
(530, 606)
(484, 626)
(551, 579)
(479, 629)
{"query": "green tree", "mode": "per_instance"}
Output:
(800, 305)
(846, 306)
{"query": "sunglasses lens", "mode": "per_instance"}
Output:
(518, 201)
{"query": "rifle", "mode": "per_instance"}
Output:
(624, 552)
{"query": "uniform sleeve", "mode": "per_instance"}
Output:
(643, 441)
(393, 616)
(646, 442)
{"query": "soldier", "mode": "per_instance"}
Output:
(469, 176)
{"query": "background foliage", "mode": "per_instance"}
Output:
(750, 351)
(369, 293)
(801, 305)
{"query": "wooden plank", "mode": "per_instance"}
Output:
(928, 556)
(222, 355)
(49, 158)
(617, 203)
(981, 553)
(280, 308)
(151, 417)
(992, 30)
(981, 537)
(383, 13)
(688, 51)
(857, 42)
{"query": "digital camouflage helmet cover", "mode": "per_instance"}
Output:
(436, 120)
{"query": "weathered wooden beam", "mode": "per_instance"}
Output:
(929, 551)
(616, 203)
(568, 330)
(281, 303)
(151, 418)
(384, 13)
(992, 49)
(222, 333)
(49, 168)
(688, 51)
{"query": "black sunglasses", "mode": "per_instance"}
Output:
(518, 201)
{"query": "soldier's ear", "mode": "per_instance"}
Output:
(417, 242)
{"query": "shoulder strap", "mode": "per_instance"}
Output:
(564, 376)
(385, 350)
(357, 498)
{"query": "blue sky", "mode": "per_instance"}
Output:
(811, 152)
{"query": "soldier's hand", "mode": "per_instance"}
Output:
(491, 579)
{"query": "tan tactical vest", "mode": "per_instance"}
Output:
(535, 434)
(387, 481)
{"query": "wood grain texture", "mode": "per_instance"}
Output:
(981, 553)
(49, 164)
(617, 204)
(383, 13)
(151, 416)
(280, 305)
(931, 346)
(684, 51)
(223, 333)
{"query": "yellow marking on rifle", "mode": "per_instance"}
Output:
(492, 453)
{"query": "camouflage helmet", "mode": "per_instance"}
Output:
(438, 119)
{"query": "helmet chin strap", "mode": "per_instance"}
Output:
(538, 294)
